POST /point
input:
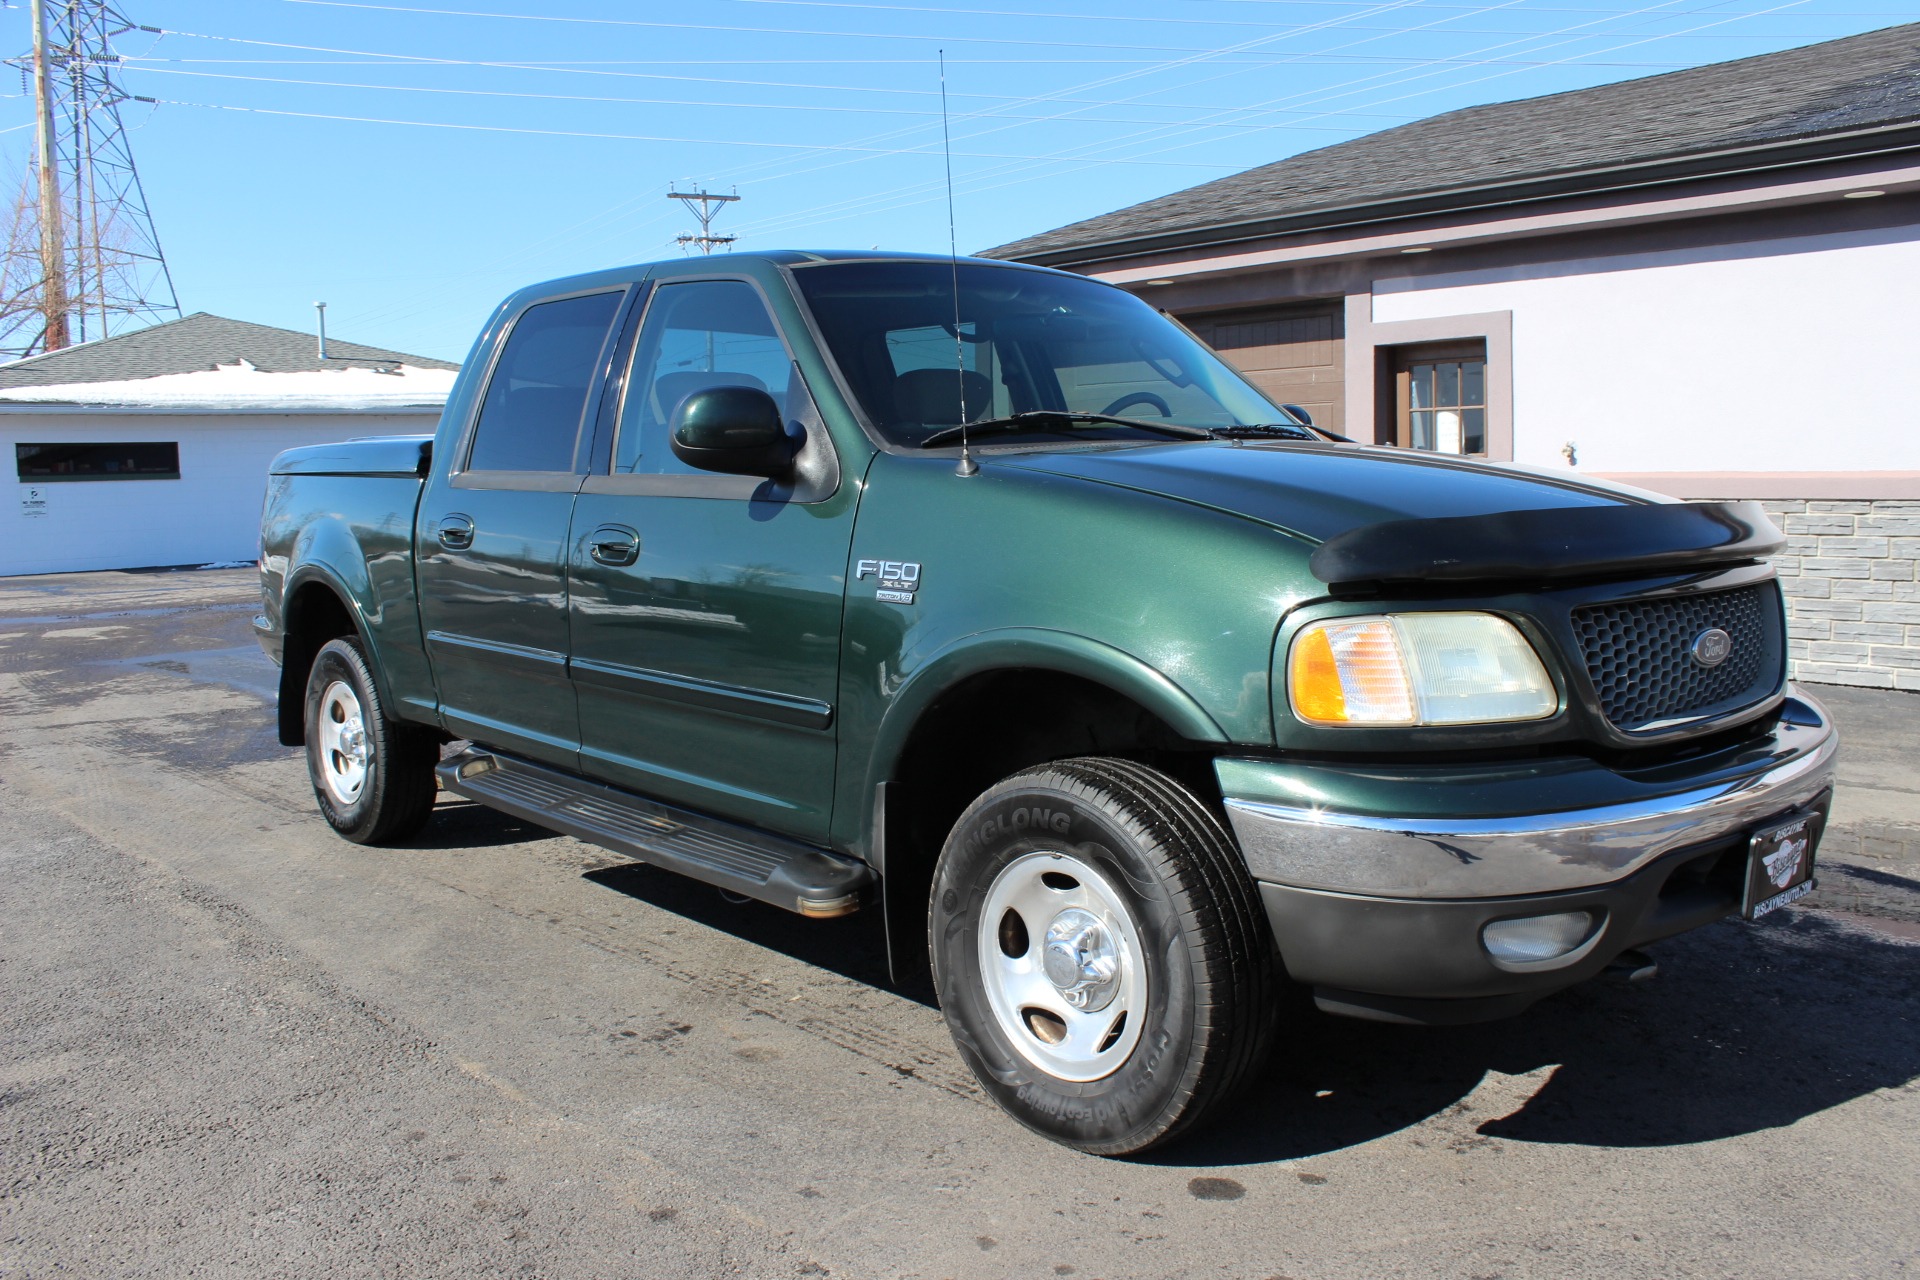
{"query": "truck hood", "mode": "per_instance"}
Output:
(1320, 491)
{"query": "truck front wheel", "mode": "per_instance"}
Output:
(1101, 955)
(372, 775)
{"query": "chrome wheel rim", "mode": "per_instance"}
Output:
(1061, 962)
(344, 749)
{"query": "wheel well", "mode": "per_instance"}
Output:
(998, 723)
(313, 615)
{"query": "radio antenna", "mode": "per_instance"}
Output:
(967, 467)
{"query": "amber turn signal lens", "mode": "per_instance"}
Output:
(1351, 672)
(1317, 694)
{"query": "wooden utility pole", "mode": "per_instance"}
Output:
(53, 256)
(703, 205)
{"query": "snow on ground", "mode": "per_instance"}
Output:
(242, 386)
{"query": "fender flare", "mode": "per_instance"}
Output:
(1032, 648)
(313, 572)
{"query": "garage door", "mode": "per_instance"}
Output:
(1293, 354)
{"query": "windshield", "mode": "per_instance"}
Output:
(1028, 341)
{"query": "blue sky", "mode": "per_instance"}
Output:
(300, 148)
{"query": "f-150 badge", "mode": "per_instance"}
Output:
(898, 579)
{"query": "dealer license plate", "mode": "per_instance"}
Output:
(1780, 864)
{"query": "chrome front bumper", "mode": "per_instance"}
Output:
(1491, 855)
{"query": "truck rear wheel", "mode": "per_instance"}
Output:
(1101, 954)
(373, 776)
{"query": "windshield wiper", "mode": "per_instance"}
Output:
(1021, 421)
(1286, 430)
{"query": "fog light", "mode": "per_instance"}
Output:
(1537, 937)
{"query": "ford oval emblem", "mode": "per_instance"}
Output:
(1711, 647)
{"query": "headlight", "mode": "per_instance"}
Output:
(1417, 668)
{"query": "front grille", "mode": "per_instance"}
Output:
(1639, 654)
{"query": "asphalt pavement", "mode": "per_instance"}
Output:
(232, 1044)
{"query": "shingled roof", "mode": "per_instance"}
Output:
(1864, 84)
(199, 342)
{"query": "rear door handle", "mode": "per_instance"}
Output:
(455, 532)
(614, 544)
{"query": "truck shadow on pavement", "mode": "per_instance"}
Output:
(1749, 1027)
(852, 946)
(462, 824)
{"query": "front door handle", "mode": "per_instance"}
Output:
(614, 544)
(455, 532)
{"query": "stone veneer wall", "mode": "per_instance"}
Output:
(1851, 572)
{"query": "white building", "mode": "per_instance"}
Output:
(1705, 283)
(152, 448)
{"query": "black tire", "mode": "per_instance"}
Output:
(1207, 1008)
(395, 793)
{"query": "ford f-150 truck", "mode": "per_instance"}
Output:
(985, 597)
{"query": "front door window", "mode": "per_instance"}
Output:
(700, 334)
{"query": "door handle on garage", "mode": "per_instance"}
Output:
(455, 532)
(614, 544)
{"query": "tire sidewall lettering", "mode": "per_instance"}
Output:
(1042, 820)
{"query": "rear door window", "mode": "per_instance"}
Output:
(530, 419)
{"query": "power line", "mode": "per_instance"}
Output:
(648, 24)
(576, 20)
(1004, 119)
(726, 80)
(812, 218)
(1329, 24)
(1901, 15)
(926, 190)
(1174, 64)
(687, 102)
(1060, 93)
(1071, 41)
(634, 137)
(394, 59)
(1319, 95)
(1064, 91)
(1731, 18)
(1497, 75)
(1183, 21)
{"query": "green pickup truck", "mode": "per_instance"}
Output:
(984, 597)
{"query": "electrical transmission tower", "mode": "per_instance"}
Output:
(705, 206)
(82, 260)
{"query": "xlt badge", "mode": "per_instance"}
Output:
(898, 579)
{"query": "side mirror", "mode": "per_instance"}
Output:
(1299, 413)
(736, 430)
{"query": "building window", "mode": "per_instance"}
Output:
(1440, 397)
(121, 460)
